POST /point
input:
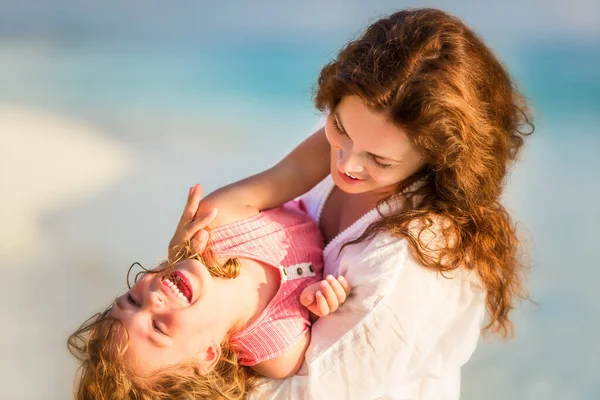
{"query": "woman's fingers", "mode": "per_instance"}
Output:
(193, 201)
(189, 227)
(201, 222)
(199, 241)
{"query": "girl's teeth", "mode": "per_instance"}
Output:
(176, 290)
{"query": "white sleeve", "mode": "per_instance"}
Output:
(404, 332)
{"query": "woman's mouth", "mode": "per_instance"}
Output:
(348, 177)
(179, 285)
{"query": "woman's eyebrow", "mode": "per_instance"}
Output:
(341, 126)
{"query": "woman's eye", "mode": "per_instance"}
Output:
(156, 328)
(380, 165)
(336, 126)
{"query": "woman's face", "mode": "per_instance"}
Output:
(170, 319)
(368, 152)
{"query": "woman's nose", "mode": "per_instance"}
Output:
(348, 161)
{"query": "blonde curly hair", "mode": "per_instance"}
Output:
(103, 373)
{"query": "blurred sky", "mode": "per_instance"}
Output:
(110, 110)
(193, 19)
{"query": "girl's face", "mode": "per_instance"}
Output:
(171, 319)
(368, 152)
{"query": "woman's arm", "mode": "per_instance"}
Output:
(297, 173)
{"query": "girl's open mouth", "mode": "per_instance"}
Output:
(179, 285)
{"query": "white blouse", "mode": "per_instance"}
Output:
(403, 333)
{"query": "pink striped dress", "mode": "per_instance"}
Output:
(285, 238)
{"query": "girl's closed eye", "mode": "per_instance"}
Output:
(131, 300)
(157, 328)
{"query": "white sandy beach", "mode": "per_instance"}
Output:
(47, 163)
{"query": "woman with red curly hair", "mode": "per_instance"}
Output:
(404, 180)
(422, 122)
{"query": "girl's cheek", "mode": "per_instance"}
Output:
(137, 287)
(170, 320)
(143, 282)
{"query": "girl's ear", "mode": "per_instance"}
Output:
(208, 358)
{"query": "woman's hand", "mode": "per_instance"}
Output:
(322, 298)
(191, 227)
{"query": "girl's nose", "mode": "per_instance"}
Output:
(155, 300)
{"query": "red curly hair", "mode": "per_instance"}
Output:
(437, 81)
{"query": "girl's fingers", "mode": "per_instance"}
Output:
(322, 307)
(345, 284)
(307, 298)
(338, 289)
(330, 296)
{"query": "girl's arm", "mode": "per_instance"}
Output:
(321, 298)
(286, 364)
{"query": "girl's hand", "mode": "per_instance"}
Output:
(191, 227)
(325, 297)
